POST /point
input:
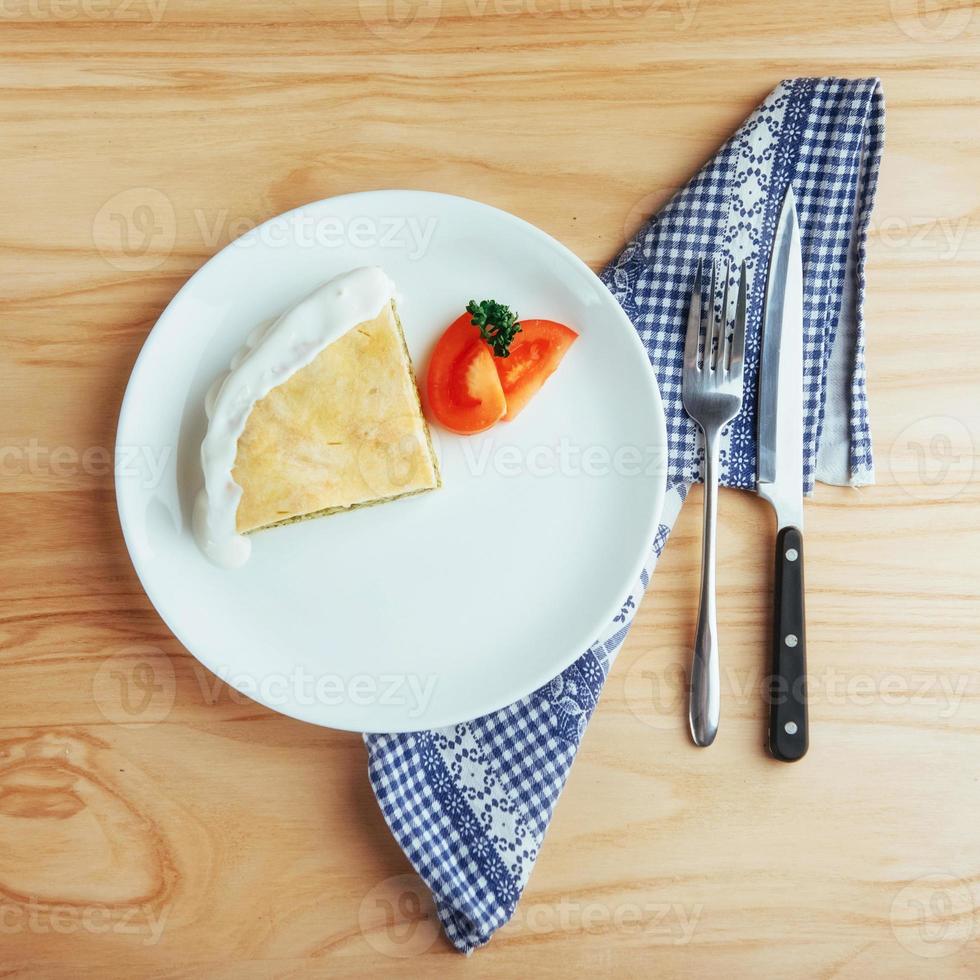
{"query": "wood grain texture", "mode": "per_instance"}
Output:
(155, 823)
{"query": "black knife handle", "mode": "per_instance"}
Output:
(788, 728)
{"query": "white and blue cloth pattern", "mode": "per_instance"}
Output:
(470, 804)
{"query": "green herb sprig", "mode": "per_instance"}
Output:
(498, 326)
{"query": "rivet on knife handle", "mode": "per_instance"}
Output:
(788, 727)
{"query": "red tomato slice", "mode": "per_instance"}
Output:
(463, 388)
(534, 354)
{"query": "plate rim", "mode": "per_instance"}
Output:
(525, 688)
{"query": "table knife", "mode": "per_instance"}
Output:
(780, 481)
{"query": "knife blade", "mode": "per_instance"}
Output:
(780, 480)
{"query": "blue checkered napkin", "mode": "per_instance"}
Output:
(470, 804)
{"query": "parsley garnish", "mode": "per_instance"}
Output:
(498, 326)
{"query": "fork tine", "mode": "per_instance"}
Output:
(693, 324)
(712, 341)
(738, 338)
(724, 345)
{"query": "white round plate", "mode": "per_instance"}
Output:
(434, 609)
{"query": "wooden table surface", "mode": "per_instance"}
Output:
(155, 823)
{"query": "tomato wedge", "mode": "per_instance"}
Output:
(462, 385)
(534, 354)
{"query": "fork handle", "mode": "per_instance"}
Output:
(788, 726)
(705, 704)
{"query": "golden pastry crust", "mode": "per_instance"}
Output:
(345, 431)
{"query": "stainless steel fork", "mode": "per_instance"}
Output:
(712, 392)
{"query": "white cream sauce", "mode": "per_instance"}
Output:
(273, 353)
